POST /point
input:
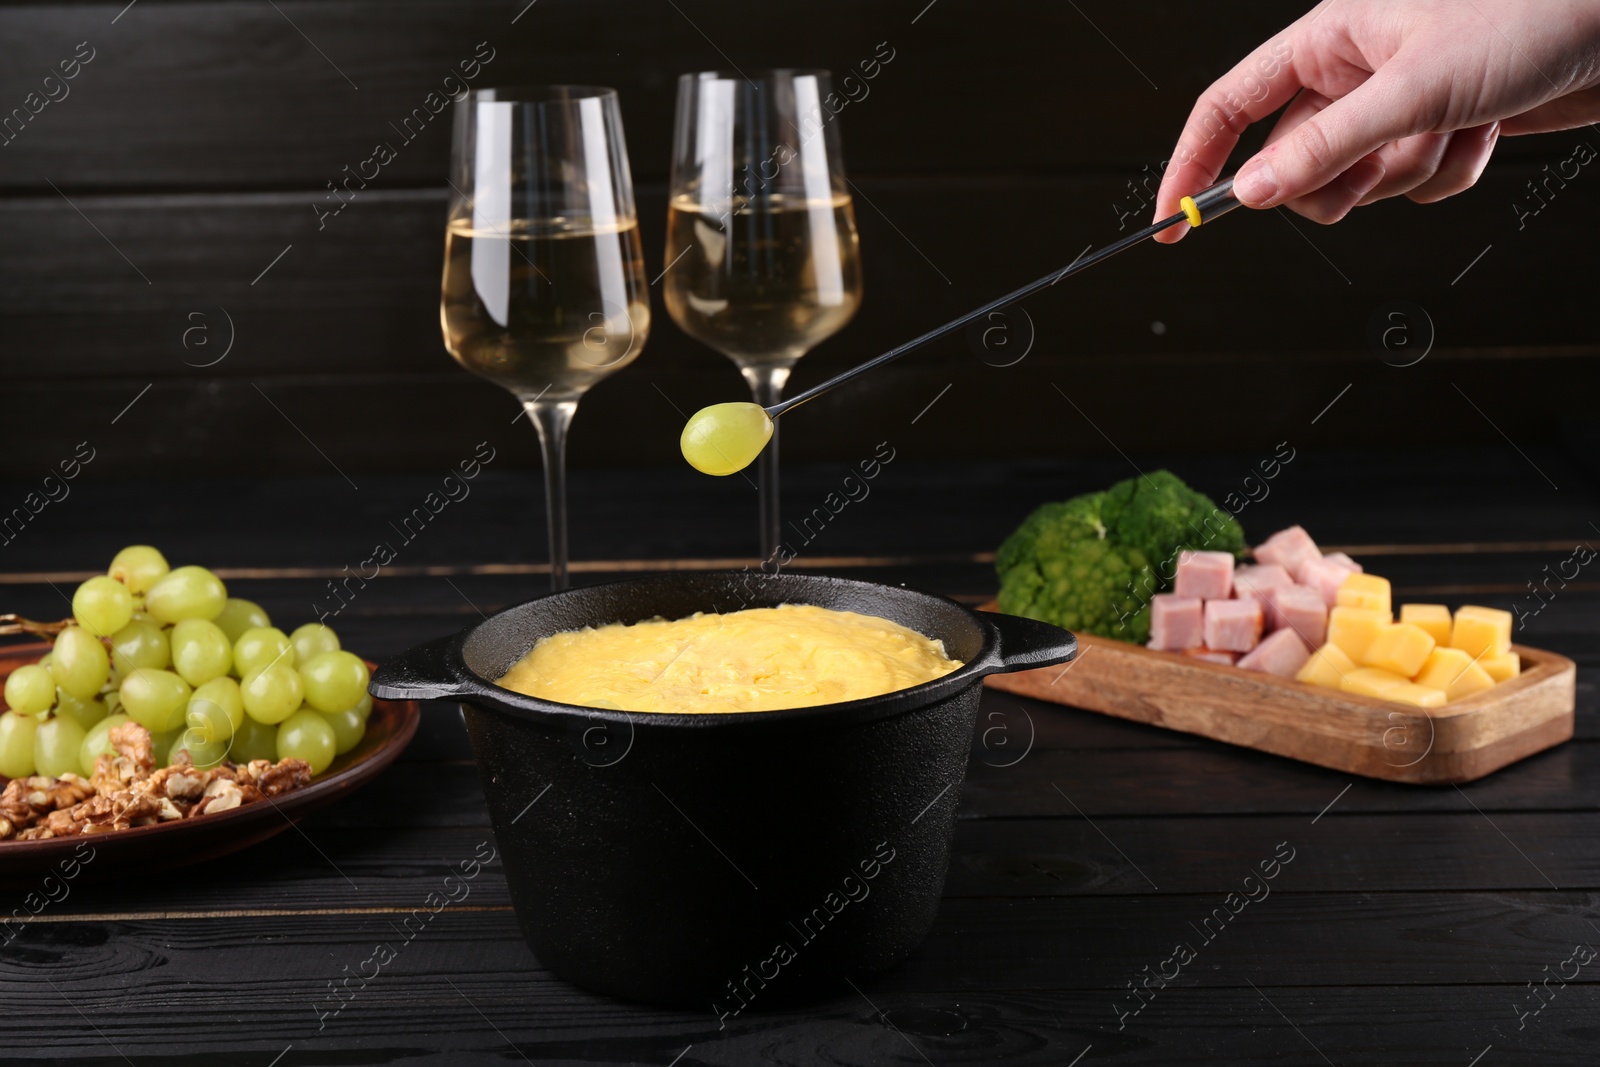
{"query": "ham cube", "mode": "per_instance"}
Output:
(1176, 623)
(1204, 575)
(1281, 654)
(1301, 609)
(1343, 561)
(1233, 625)
(1212, 655)
(1288, 549)
(1269, 616)
(1326, 573)
(1255, 581)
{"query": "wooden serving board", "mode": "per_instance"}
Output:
(1460, 742)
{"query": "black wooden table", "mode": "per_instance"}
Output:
(1404, 925)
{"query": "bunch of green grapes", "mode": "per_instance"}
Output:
(204, 672)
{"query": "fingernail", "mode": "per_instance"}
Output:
(1256, 185)
(1364, 177)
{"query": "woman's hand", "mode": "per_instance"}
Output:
(1389, 98)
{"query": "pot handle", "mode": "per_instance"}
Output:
(426, 672)
(1028, 643)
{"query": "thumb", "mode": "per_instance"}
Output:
(1384, 108)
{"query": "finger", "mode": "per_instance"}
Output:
(1334, 201)
(1260, 84)
(1392, 170)
(1565, 113)
(1462, 164)
(1386, 107)
(1305, 104)
(1407, 164)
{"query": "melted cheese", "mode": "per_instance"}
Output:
(758, 659)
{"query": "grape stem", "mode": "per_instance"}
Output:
(11, 625)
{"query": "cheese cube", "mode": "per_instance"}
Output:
(1327, 667)
(1353, 629)
(1401, 647)
(1434, 618)
(1176, 623)
(1233, 625)
(1454, 671)
(1364, 591)
(1204, 575)
(1370, 682)
(1412, 693)
(1481, 631)
(1502, 668)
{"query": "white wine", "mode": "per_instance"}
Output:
(544, 308)
(768, 280)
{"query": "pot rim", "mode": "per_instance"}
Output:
(484, 693)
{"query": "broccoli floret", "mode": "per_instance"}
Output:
(1050, 526)
(1089, 585)
(1093, 563)
(1160, 516)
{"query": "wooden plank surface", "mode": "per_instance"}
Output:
(1088, 943)
(178, 179)
(361, 348)
(202, 251)
(1406, 927)
(262, 108)
(1431, 527)
(1411, 923)
(466, 983)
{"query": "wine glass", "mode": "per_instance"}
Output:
(762, 259)
(544, 289)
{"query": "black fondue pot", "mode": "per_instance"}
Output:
(730, 861)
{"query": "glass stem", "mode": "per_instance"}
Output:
(551, 418)
(766, 384)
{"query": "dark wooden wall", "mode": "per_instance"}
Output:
(997, 144)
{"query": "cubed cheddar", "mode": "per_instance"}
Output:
(1455, 672)
(1481, 631)
(1327, 667)
(1502, 668)
(1434, 618)
(1371, 682)
(1353, 629)
(1412, 693)
(1365, 591)
(1401, 647)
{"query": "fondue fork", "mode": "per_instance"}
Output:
(1197, 210)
